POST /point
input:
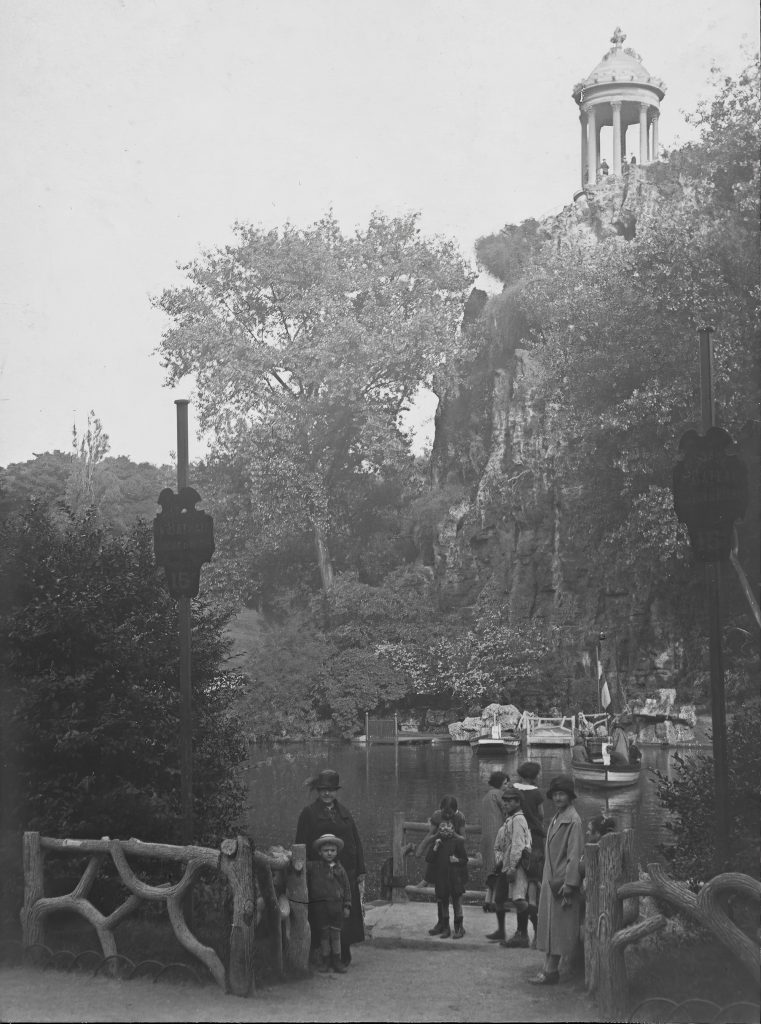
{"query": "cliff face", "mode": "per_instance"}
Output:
(505, 541)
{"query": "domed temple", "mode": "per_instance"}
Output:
(618, 92)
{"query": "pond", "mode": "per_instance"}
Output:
(378, 780)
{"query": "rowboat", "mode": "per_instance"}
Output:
(495, 742)
(597, 772)
(606, 776)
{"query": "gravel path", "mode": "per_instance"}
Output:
(382, 985)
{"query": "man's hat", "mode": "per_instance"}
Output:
(318, 844)
(562, 784)
(326, 779)
(529, 769)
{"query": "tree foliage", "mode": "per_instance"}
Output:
(91, 687)
(307, 346)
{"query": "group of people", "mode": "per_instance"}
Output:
(335, 874)
(539, 871)
(617, 747)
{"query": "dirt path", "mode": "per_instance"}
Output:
(381, 985)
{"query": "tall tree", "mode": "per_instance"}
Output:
(307, 347)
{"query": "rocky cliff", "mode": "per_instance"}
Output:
(504, 538)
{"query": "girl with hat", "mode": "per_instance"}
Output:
(492, 820)
(329, 899)
(560, 897)
(325, 815)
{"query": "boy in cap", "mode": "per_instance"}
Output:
(329, 899)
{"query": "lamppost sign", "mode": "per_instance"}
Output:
(183, 539)
(710, 486)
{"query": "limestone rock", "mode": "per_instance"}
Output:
(507, 715)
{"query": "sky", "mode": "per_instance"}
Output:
(135, 133)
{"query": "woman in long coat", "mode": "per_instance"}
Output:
(492, 819)
(560, 897)
(327, 815)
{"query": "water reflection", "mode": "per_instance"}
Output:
(378, 780)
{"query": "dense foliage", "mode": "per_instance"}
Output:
(689, 798)
(307, 348)
(90, 697)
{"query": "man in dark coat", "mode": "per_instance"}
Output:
(327, 815)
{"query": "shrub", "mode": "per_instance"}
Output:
(90, 701)
(689, 798)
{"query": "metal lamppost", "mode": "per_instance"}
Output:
(710, 494)
(183, 539)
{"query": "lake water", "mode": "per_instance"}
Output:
(378, 780)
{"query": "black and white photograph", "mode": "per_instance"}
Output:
(380, 511)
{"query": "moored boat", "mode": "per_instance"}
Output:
(596, 770)
(607, 776)
(495, 742)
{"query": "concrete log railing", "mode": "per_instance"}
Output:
(406, 836)
(236, 860)
(611, 884)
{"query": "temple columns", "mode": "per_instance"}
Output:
(655, 149)
(643, 107)
(591, 146)
(583, 147)
(616, 105)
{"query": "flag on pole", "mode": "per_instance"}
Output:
(605, 696)
(605, 700)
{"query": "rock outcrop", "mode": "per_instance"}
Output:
(506, 715)
(504, 539)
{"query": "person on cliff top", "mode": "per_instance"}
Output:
(512, 850)
(492, 814)
(560, 894)
(327, 815)
(329, 899)
(447, 812)
(532, 801)
(448, 862)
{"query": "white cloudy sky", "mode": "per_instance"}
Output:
(137, 131)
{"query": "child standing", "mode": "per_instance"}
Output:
(532, 802)
(329, 899)
(512, 848)
(447, 812)
(448, 860)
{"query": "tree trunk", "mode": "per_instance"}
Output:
(326, 570)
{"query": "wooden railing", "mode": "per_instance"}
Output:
(406, 837)
(536, 726)
(611, 883)
(281, 879)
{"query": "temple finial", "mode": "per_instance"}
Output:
(618, 38)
